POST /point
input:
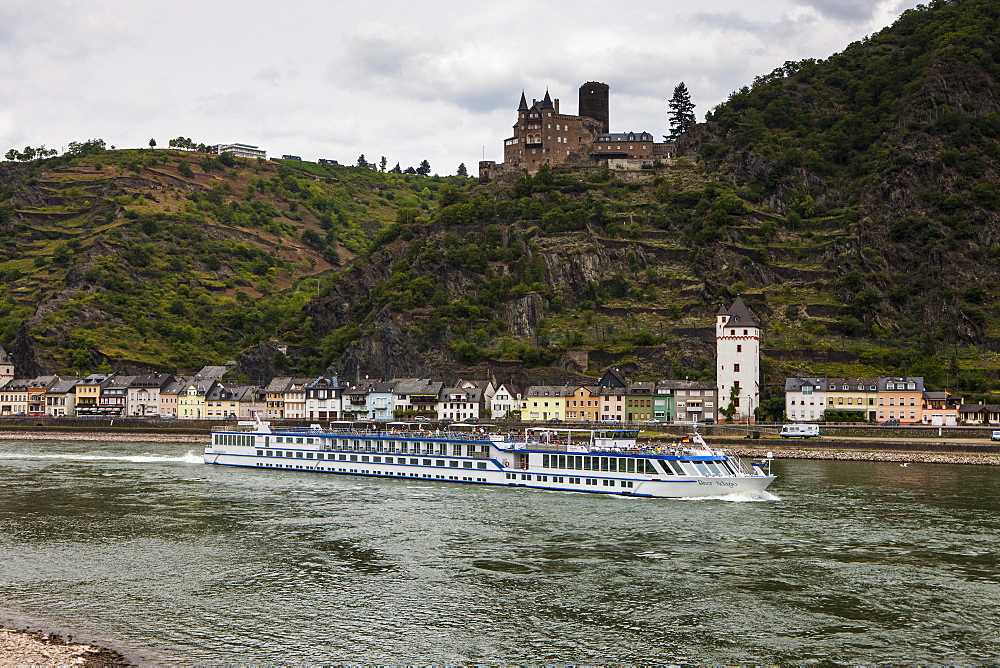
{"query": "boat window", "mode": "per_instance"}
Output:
(453, 463)
(467, 465)
(586, 463)
(562, 461)
(578, 462)
(260, 453)
(343, 458)
(377, 460)
(545, 461)
(649, 466)
(299, 455)
(674, 466)
(604, 463)
(289, 454)
(666, 468)
(427, 462)
(309, 455)
(481, 465)
(414, 461)
(439, 462)
(354, 458)
(630, 463)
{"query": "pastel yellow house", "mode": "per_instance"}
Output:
(191, 400)
(542, 403)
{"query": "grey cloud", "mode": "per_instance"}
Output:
(848, 11)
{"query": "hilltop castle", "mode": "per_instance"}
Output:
(544, 136)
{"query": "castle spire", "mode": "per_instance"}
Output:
(524, 103)
(546, 101)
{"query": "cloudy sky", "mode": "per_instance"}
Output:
(408, 80)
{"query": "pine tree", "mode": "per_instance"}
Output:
(462, 171)
(681, 112)
(424, 168)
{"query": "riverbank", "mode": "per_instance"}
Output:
(114, 436)
(871, 455)
(30, 648)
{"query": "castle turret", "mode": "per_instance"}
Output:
(524, 103)
(594, 103)
(737, 362)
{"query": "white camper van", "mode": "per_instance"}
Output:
(799, 430)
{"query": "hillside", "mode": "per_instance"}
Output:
(853, 202)
(169, 259)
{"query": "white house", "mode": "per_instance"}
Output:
(805, 399)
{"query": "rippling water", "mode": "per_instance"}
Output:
(143, 546)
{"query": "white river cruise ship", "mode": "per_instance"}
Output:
(605, 461)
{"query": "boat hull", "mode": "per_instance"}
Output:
(496, 474)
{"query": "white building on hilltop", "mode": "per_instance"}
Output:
(241, 150)
(737, 358)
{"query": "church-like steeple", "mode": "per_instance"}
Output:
(524, 103)
(546, 102)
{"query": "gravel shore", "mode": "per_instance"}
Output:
(28, 648)
(118, 437)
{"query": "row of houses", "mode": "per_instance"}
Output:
(901, 399)
(206, 396)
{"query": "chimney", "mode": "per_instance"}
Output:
(555, 103)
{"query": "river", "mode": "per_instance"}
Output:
(144, 548)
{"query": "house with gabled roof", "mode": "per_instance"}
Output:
(323, 398)
(60, 399)
(37, 387)
(14, 397)
(506, 401)
(416, 397)
(144, 394)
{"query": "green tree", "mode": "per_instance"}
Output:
(362, 162)
(152, 143)
(424, 168)
(462, 171)
(730, 410)
(681, 111)
(396, 170)
(382, 163)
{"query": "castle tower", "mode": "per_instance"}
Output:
(737, 358)
(594, 103)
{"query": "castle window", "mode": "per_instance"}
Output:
(739, 347)
(736, 368)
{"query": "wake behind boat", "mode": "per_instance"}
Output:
(607, 461)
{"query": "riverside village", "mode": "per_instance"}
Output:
(612, 398)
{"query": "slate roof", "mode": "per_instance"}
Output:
(739, 314)
(795, 384)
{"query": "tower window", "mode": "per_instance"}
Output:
(736, 368)
(739, 348)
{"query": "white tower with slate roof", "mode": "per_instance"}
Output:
(6, 367)
(737, 358)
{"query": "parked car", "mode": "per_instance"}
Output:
(890, 423)
(707, 421)
(995, 436)
(421, 418)
(652, 421)
(611, 421)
